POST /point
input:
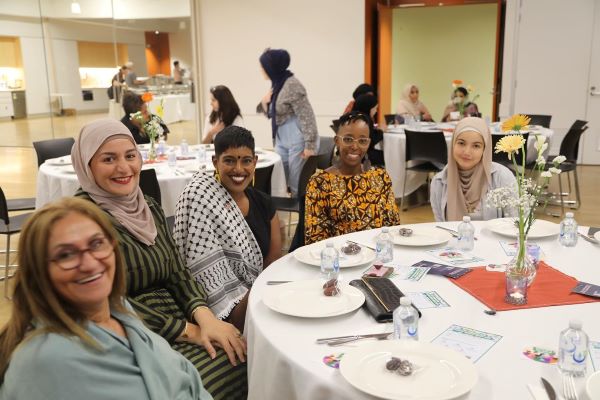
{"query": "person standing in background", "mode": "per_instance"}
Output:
(363, 88)
(293, 122)
(116, 88)
(131, 78)
(178, 73)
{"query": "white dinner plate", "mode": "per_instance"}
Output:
(421, 236)
(65, 160)
(311, 254)
(66, 169)
(306, 299)
(539, 229)
(592, 386)
(597, 235)
(441, 373)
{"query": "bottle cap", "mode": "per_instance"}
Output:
(405, 301)
(569, 215)
(466, 218)
(385, 229)
(575, 324)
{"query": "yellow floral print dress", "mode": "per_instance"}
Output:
(340, 204)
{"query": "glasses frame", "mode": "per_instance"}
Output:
(81, 252)
(354, 140)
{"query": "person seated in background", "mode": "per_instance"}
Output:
(363, 88)
(225, 112)
(460, 97)
(72, 335)
(367, 105)
(461, 187)
(133, 103)
(410, 104)
(346, 197)
(159, 286)
(225, 230)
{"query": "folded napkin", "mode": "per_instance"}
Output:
(382, 297)
(537, 392)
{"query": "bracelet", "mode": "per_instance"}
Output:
(184, 335)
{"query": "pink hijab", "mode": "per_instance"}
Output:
(131, 210)
(467, 188)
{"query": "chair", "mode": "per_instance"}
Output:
(569, 147)
(52, 148)
(21, 204)
(292, 204)
(326, 147)
(540, 119)
(429, 149)
(262, 179)
(150, 187)
(390, 119)
(8, 227)
(501, 158)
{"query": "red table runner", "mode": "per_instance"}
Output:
(550, 288)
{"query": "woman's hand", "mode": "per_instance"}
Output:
(266, 100)
(307, 153)
(212, 331)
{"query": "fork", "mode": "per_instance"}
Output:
(569, 391)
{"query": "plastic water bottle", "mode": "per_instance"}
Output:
(384, 246)
(568, 231)
(201, 155)
(406, 320)
(572, 349)
(172, 160)
(330, 262)
(162, 147)
(466, 235)
(184, 148)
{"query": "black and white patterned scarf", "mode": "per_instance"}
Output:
(216, 243)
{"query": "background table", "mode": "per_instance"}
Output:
(54, 182)
(394, 152)
(285, 363)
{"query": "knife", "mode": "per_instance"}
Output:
(353, 337)
(587, 238)
(549, 389)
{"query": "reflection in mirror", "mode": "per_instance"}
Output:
(24, 91)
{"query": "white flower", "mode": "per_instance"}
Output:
(539, 141)
(546, 174)
(558, 159)
(540, 160)
(554, 170)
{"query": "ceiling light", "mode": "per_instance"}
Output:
(75, 8)
(156, 32)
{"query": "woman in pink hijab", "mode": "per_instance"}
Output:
(461, 187)
(159, 286)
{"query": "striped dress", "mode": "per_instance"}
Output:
(163, 293)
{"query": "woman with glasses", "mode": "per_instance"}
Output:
(72, 335)
(226, 230)
(224, 112)
(345, 197)
(159, 286)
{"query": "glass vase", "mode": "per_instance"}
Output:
(520, 273)
(152, 151)
(516, 288)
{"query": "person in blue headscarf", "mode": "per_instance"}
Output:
(293, 123)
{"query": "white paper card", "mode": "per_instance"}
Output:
(423, 300)
(470, 342)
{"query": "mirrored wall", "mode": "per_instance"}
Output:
(60, 63)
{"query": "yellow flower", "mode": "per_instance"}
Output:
(516, 123)
(510, 144)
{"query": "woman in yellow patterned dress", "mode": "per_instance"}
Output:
(344, 198)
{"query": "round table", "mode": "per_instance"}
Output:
(284, 362)
(394, 152)
(57, 179)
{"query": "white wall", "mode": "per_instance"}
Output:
(36, 80)
(547, 59)
(325, 40)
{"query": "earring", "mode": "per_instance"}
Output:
(217, 176)
(253, 180)
(366, 164)
(336, 156)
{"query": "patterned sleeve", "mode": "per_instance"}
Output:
(317, 225)
(295, 94)
(392, 215)
(164, 325)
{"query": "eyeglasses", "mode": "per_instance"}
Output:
(349, 140)
(70, 257)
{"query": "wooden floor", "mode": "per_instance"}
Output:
(18, 173)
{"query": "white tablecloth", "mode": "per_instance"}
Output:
(177, 107)
(394, 152)
(56, 181)
(285, 362)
